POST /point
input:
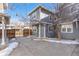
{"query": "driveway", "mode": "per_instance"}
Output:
(28, 47)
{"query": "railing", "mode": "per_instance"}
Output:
(7, 26)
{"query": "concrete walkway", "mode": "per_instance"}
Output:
(28, 47)
(63, 41)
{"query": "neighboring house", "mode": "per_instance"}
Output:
(6, 18)
(22, 29)
(69, 13)
(41, 20)
(9, 28)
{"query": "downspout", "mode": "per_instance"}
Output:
(76, 30)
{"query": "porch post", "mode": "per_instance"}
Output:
(44, 30)
(76, 30)
(29, 30)
(39, 30)
(3, 32)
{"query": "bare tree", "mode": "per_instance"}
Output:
(57, 18)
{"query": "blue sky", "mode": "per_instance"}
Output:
(22, 9)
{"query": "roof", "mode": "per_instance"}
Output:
(41, 8)
(1, 14)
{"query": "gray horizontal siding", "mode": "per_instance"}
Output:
(68, 35)
(74, 35)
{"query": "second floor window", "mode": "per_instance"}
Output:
(50, 17)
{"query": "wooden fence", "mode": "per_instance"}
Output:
(11, 33)
(27, 32)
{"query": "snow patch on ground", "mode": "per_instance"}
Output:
(63, 41)
(37, 39)
(9, 49)
(13, 39)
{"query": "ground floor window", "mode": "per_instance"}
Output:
(35, 30)
(50, 28)
(67, 28)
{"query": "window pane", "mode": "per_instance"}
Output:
(68, 29)
(63, 29)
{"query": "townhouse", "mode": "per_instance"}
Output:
(69, 14)
(42, 20)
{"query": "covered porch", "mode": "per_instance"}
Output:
(40, 30)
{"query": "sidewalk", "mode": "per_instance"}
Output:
(62, 41)
(55, 40)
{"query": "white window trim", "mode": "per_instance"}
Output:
(66, 26)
